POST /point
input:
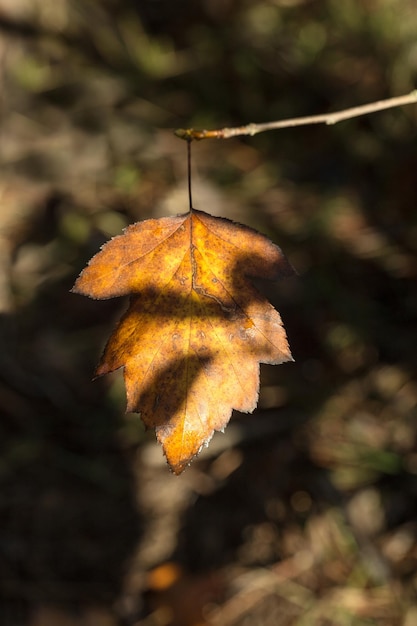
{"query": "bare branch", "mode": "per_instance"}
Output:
(325, 118)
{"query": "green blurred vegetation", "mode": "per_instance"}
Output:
(315, 500)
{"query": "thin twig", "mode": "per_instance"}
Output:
(325, 118)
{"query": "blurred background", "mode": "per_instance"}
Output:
(304, 513)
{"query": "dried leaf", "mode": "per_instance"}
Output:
(196, 328)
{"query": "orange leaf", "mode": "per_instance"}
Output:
(196, 328)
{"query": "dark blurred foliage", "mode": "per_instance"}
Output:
(305, 512)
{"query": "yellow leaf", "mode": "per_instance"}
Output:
(196, 328)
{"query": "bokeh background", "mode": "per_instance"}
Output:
(304, 513)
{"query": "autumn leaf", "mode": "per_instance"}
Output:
(196, 329)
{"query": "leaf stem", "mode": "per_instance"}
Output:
(325, 118)
(190, 197)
